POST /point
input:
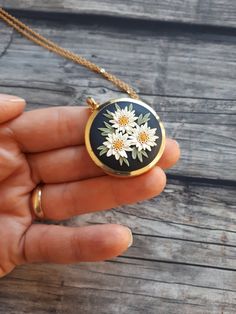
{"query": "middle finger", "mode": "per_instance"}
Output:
(73, 163)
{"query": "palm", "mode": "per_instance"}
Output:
(47, 146)
(15, 215)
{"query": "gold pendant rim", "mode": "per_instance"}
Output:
(109, 170)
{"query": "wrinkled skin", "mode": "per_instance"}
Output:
(47, 145)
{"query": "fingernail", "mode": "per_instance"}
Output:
(177, 143)
(2, 274)
(131, 238)
(10, 98)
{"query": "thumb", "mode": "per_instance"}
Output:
(10, 107)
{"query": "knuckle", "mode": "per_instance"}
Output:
(68, 197)
(117, 199)
(44, 250)
(76, 247)
(63, 124)
(34, 168)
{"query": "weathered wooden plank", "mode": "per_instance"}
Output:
(156, 63)
(218, 12)
(186, 252)
(187, 224)
(191, 229)
(184, 211)
(159, 230)
(174, 73)
(119, 287)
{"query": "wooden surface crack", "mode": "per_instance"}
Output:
(181, 59)
(6, 48)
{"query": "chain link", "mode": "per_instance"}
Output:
(53, 47)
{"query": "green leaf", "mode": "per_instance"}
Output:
(130, 107)
(121, 160)
(108, 125)
(146, 118)
(134, 153)
(126, 161)
(144, 153)
(101, 147)
(110, 113)
(102, 152)
(107, 115)
(105, 130)
(140, 157)
(147, 115)
(140, 118)
(117, 106)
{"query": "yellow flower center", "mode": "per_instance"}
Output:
(118, 144)
(143, 137)
(123, 120)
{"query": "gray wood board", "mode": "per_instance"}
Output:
(121, 286)
(171, 71)
(183, 259)
(183, 212)
(208, 12)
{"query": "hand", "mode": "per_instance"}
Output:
(47, 145)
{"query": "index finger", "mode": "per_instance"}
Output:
(50, 128)
(10, 107)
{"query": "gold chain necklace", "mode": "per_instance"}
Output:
(48, 44)
(123, 136)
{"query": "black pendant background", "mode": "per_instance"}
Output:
(96, 139)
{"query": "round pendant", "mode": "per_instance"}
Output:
(124, 137)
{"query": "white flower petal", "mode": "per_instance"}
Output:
(109, 153)
(151, 137)
(125, 112)
(123, 154)
(118, 150)
(117, 156)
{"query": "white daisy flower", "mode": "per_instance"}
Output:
(118, 144)
(143, 137)
(124, 120)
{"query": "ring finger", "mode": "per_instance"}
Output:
(61, 201)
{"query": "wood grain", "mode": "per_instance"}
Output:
(164, 62)
(217, 12)
(183, 259)
(184, 211)
(121, 286)
(205, 90)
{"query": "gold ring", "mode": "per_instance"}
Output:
(36, 200)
